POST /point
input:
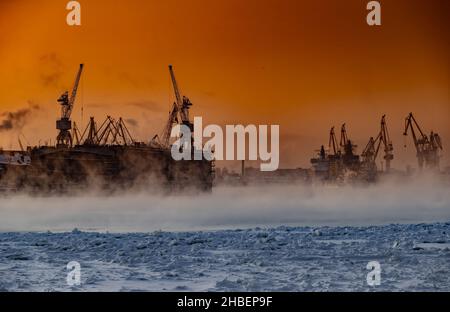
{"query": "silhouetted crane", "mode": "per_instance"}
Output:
(427, 148)
(178, 114)
(372, 148)
(332, 142)
(64, 125)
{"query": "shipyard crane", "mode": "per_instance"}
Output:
(372, 149)
(178, 114)
(332, 142)
(387, 144)
(183, 103)
(346, 145)
(64, 124)
(427, 148)
(350, 160)
(173, 119)
(344, 138)
(369, 153)
(368, 168)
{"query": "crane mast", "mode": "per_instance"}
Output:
(64, 124)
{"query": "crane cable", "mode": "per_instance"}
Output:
(82, 102)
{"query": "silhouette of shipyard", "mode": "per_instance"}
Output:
(104, 157)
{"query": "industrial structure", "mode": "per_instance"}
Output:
(105, 157)
(64, 124)
(372, 149)
(427, 147)
(340, 162)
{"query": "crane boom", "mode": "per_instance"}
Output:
(183, 102)
(332, 142)
(180, 109)
(168, 129)
(74, 91)
(387, 144)
(179, 100)
(344, 138)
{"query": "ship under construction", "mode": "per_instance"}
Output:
(105, 157)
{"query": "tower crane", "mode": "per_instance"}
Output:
(427, 148)
(64, 124)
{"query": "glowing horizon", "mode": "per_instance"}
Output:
(300, 64)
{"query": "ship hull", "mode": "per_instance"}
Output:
(105, 169)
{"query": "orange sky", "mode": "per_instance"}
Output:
(306, 65)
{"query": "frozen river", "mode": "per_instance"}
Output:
(411, 257)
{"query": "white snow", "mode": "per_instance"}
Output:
(291, 238)
(258, 259)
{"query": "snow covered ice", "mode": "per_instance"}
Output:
(412, 258)
(238, 239)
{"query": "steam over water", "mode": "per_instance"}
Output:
(425, 200)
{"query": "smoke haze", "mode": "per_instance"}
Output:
(234, 207)
(16, 120)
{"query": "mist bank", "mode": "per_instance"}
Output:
(426, 200)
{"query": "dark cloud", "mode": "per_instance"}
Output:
(16, 120)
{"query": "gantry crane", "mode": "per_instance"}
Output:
(427, 148)
(64, 125)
